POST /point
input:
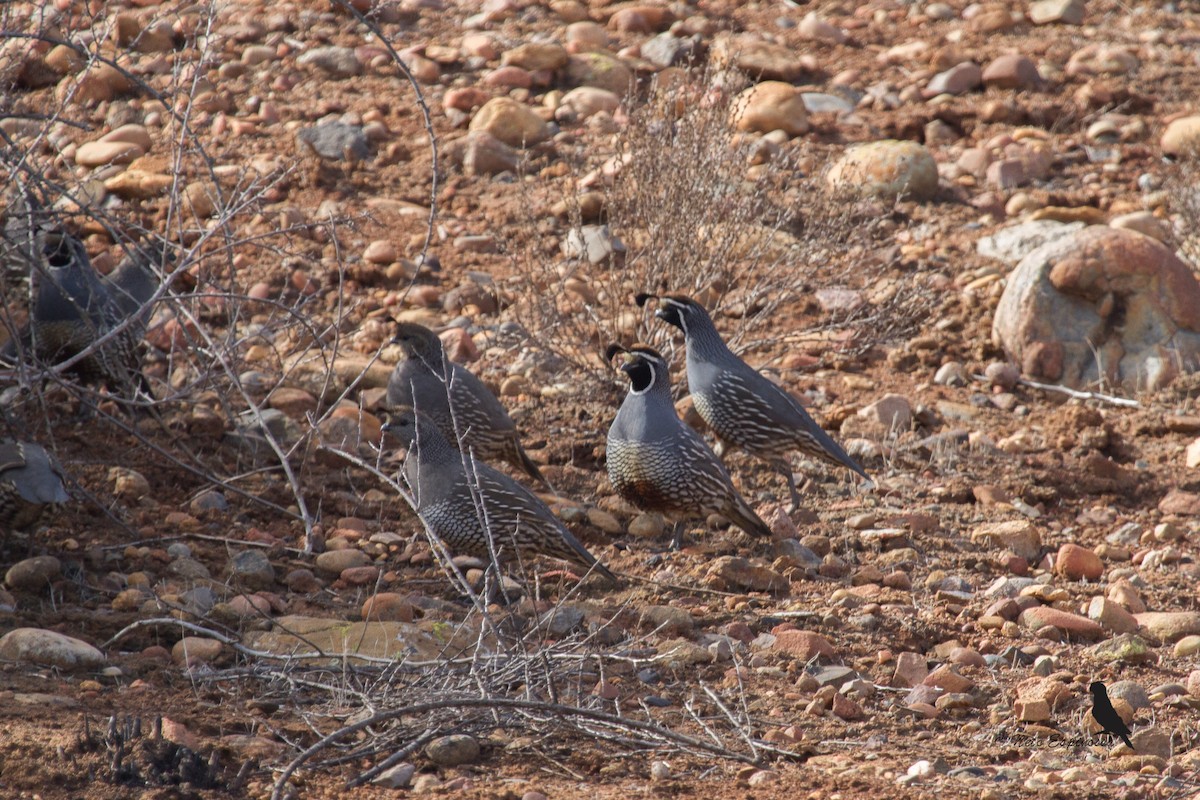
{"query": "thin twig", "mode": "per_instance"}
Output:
(1076, 393)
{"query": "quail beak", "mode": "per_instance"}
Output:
(627, 361)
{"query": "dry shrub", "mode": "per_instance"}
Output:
(744, 223)
(213, 352)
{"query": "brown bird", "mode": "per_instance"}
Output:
(658, 463)
(461, 406)
(743, 408)
(445, 495)
(29, 481)
(1104, 713)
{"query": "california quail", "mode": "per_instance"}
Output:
(658, 463)
(743, 408)
(455, 400)
(74, 306)
(445, 496)
(29, 480)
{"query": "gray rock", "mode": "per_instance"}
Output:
(189, 569)
(397, 777)
(179, 550)
(252, 569)
(835, 676)
(484, 154)
(793, 549)
(594, 243)
(210, 500)
(1013, 243)
(451, 751)
(561, 620)
(1008, 587)
(339, 62)
(952, 373)
(199, 600)
(278, 424)
(1131, 692)
(822, 103)
(336, 141)
(48, 648)
(667, 50)
(959, 79)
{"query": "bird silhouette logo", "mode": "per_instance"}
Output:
(1104, 713)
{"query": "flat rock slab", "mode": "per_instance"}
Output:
(48, 648)
(1169, 626)
(337, 638)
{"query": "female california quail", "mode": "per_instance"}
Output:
(658, 463)
(461, 406)
(743, 408)
(446, 484)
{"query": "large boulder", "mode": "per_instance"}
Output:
(1101, 308)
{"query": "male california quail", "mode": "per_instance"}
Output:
(74, 307)
(445, 494)
(29, 480)
(743, 408)
(455, 400)
(658, 463)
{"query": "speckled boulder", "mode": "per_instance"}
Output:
(602, 70)
(1101, 307)
(887, 169)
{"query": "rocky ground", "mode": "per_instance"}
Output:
(935, 634)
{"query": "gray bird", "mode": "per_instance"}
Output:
(445, 496)
(29, 481)
(433, 384)
(742, 407)
(73, 307)
(658, 463)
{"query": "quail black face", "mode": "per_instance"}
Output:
(675, 310)
(641, 364)
(1097, 688)
(58, 251)
(640, 372)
